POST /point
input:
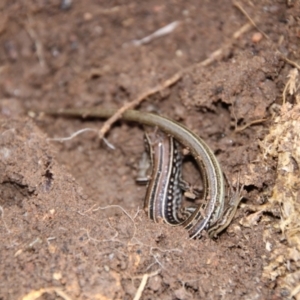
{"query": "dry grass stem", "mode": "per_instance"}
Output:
(241, 128)
(73, 135)
(143, 283)
(239, 6)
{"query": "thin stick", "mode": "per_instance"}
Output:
(141, 287)
(239, 6)
(143, 284)
(216, 54)
(107, 125)
(172, 80)
(68, 138)
(288, 60)
(239, 129)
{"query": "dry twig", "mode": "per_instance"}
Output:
(143, 284)
(239, 6)
(169, 82)
(241, 128)
(73, 135)
(107, 125)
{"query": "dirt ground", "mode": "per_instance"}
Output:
(71, 219)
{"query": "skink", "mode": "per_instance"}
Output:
(164, 191)
(213, 180)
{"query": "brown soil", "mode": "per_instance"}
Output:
(72, 224)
